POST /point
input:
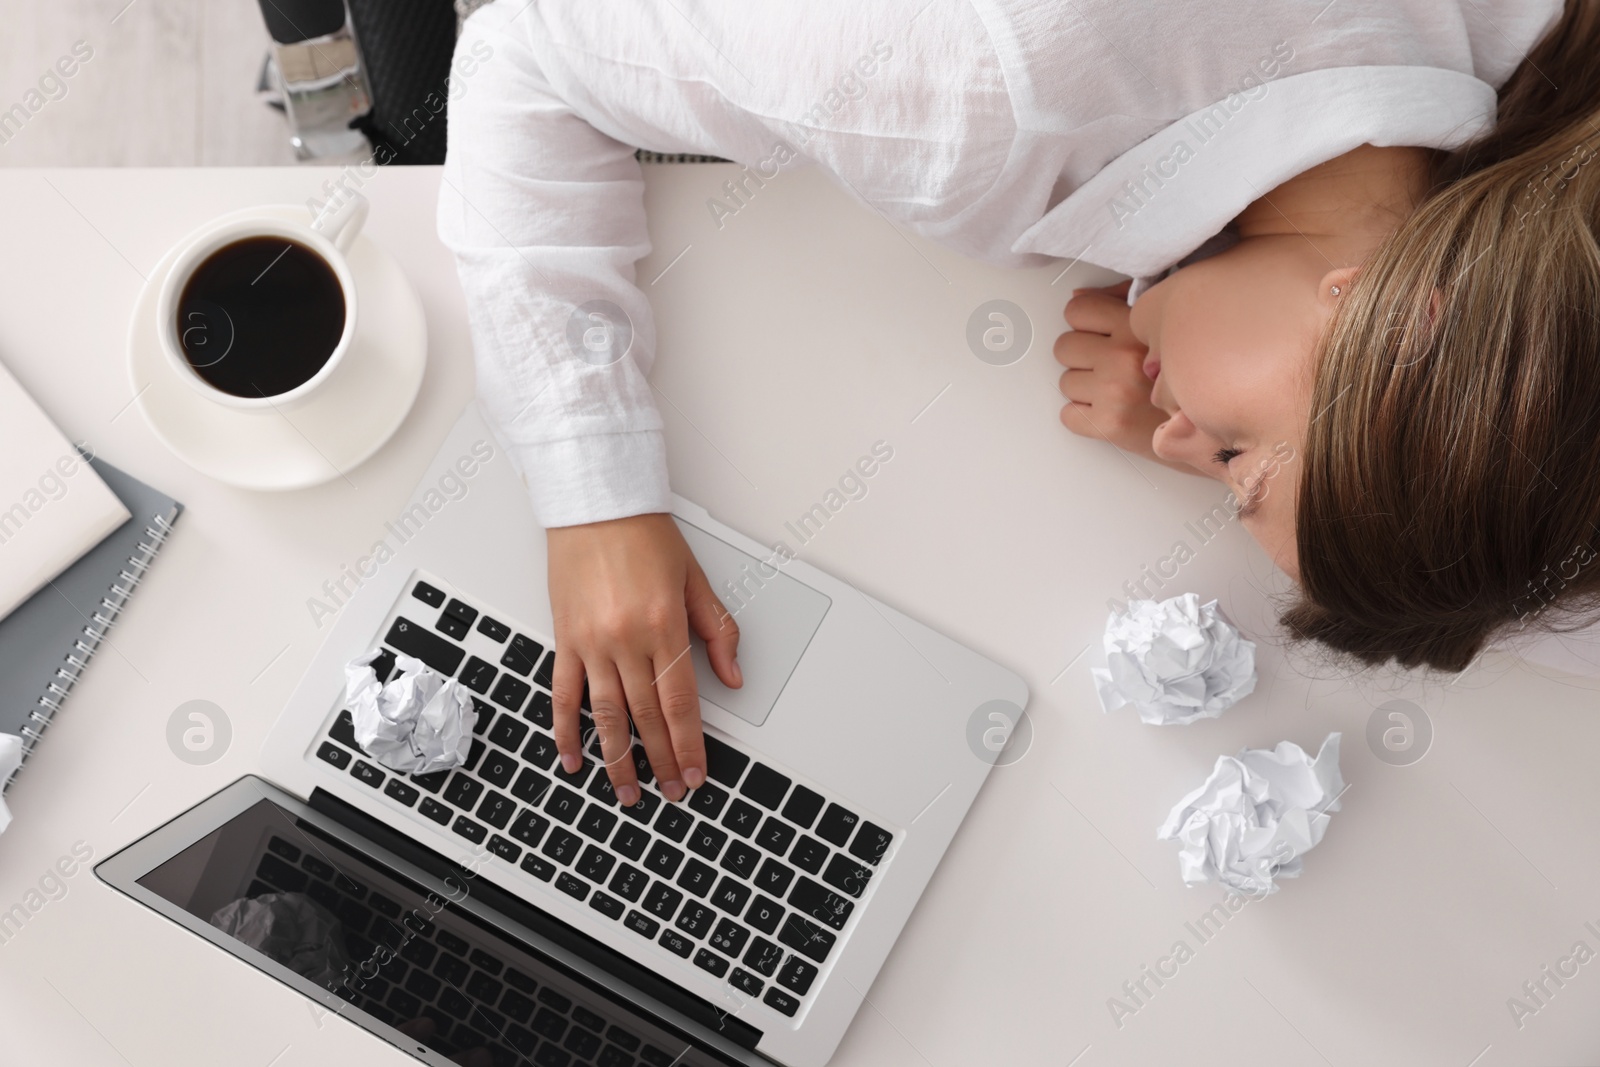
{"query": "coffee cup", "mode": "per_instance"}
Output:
(257, 313)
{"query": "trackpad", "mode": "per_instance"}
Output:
(777, 617)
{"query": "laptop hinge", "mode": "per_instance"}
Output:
(542, 923)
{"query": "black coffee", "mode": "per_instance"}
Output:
(260, 316)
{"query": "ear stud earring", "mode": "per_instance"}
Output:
(1334, 290)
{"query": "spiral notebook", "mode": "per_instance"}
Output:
(46, 643)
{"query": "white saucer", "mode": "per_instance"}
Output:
(331, 432)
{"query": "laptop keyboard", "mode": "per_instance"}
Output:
(475, 999)
(753, 877)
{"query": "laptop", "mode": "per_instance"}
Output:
(506, 912)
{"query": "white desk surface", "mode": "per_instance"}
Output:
(790, 340)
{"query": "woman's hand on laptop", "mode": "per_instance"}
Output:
(625, 595)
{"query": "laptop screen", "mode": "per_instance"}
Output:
(405, 956)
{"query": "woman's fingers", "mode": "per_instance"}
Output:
(566, 693)
(608, 704)
(1102, 311)
(644, 704)
(716, 627)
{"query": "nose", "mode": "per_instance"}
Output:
(1179, 440)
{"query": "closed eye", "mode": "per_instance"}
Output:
(1223, 455)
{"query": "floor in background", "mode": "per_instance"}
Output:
(167, 83)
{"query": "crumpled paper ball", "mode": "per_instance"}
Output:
(1256, 816)
(1175, 660)
(291, 929)
(417, 722)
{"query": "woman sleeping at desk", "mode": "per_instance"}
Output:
(1364, 296)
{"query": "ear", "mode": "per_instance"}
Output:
(1334, 284)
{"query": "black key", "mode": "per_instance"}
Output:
(764, 915)
(354, 916)
(610, 907)
(629, 883)
(382, 665)
(429, 647)
(546, 672)
(724, 763)
(417, 924)
(777, 998)
(516, 1006)
(774, 877)
(797, 975)
(474, 754)
(763, 956)
(517, 980)
(809, 854)
(423, 984)
(741, 858)
(706, 840)
(454, 1003)
(435, 810)
(343, 731)
(510, 692)
(742, 818)
(645, 809)
(509, 733)
(746, 982)
(472, 831)
(775, 836)
(765, 786)
(521, 1040)
(497, 809)
(407, 1005)
(452, 626)
(541, 751)
(419, 952)
(282, 875)
(805, 937)
(485, 715)
(600, 789)
(574, 778)
(730, 896)
(836, 825)
(456, 609)
(597, 822)
(564, 804)
(822, 904)
(641, 766)
(453, 969)
(550, 1024)
(641, 924)
(630, 841)
(697, 878)
(483, 987)
(846, 875)
(478, 674)
(384, 906)
(595, 863)
(428, 595)
(561, 846)
(707, 960)
(729, 938)
(663, 860)
(493, 629)
(662, 901)
(576, 888)
(541, 869)
(541, 711)
(504, 849)
(398, 790)
(317, 867)
(708, 800)
(673, 823)
(676, 943)
(620, 1037)
(588, 1019)
(696, 919)
(554, 999)
(323, 894)
(581, 1044)
(332, 753)
(871, 842)
(463, 791)
(431, 782)
(521, 654)
(498, 767)
(531, 786)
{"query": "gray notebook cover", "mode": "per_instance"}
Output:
(48, 640)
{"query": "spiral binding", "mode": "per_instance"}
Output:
(85, 646)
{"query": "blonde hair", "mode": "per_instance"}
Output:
(1451, 483)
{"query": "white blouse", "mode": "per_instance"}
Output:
(1120, 132)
